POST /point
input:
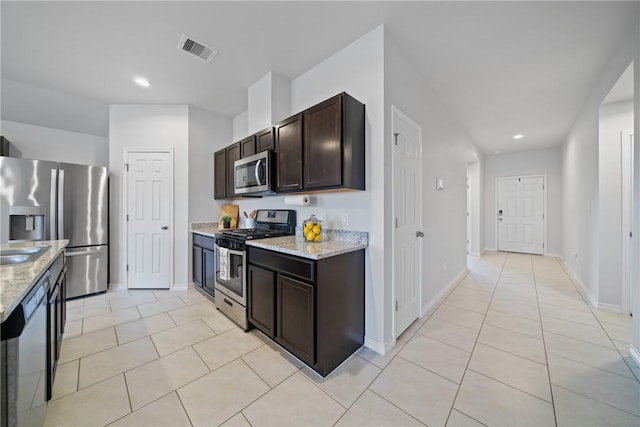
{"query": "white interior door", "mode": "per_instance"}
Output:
(407, 209)
(468, 216)
(520, 216)
(627, 217)
(149, 210)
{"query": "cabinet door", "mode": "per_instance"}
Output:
(233, 154)
(197, 265)
(323, 144)
(295, 318)
(261, 305)
(248, 146)
(265, 140)
(209, 274)
(289, 154)
(220, 174)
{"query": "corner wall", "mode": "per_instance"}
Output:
(580, 174)
(635, 275)
(448, 149)
(150, 126)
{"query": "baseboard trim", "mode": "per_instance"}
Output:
(553, 255)
(489, 250)
(377, 346)
(609, 307)
(429, 307)
(593, 302)
(635, 354)
(180, 286)
(117, 287)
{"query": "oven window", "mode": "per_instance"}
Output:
(236, 272)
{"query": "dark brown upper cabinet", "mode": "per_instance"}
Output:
(333, 144)
(220, 174)
(248, 146)
(233, 154)
(265, 140)
(289, 154)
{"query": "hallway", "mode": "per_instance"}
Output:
(514, 344)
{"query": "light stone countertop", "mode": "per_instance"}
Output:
(208, 231)
(295, 245)
(16, 280)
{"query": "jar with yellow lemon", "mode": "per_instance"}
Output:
(312, 229)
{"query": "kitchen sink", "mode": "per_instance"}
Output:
(20, 255)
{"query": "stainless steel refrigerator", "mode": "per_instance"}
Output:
(42, 200)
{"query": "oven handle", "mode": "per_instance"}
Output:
(232, 251)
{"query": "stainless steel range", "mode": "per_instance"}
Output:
(231, 257)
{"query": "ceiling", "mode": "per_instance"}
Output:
(501, 67)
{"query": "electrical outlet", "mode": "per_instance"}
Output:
(322, 216)
(345, 218)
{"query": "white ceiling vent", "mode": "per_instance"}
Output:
(193, 47)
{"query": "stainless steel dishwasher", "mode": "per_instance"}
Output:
(24, 350)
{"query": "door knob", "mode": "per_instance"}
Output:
(419, 234)
(164, 227)
(499, 219)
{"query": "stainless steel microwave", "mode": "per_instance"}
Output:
(254, 174)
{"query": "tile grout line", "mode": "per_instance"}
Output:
(431, 372)
(597, 401)
(504, 262)
(593, 367)
(544, 344)
(512, 386)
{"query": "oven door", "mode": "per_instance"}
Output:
(252, 174)
(234, 285)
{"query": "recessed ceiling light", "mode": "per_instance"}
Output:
(518, 136)
(496, 152)
(141, 81)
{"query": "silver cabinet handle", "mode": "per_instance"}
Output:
(419, 234)
(164, 227)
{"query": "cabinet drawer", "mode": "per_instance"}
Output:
(290, 265)
(204, 241)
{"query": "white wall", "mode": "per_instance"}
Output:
(476, 211)
(536, 162)
(614, 119)
(34, 105)
(150, 126)
(43, 143)
(635, 277)
(240, 126)
(448, 149)
(580, 176)
(208, 133)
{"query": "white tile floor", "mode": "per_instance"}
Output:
(514, 344)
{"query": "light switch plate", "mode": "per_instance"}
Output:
(439, 184)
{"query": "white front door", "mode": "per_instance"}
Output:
(148, 218)
(407, 209)
(520, 216)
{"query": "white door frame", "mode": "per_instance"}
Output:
(395, 110)
(626, 241)
(544, 208)
(125, 208)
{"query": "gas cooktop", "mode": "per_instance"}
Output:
(270, 223)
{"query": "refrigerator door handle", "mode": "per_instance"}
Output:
(84, 251)
(60, 204)
(52, 206)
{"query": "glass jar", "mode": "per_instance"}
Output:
(312, 229)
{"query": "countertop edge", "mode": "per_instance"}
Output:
(203, 233)
(7, 310)
(328, 254)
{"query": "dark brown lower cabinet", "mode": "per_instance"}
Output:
(296, 317)
(312, 308)
(262, 296)
(203, 263)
